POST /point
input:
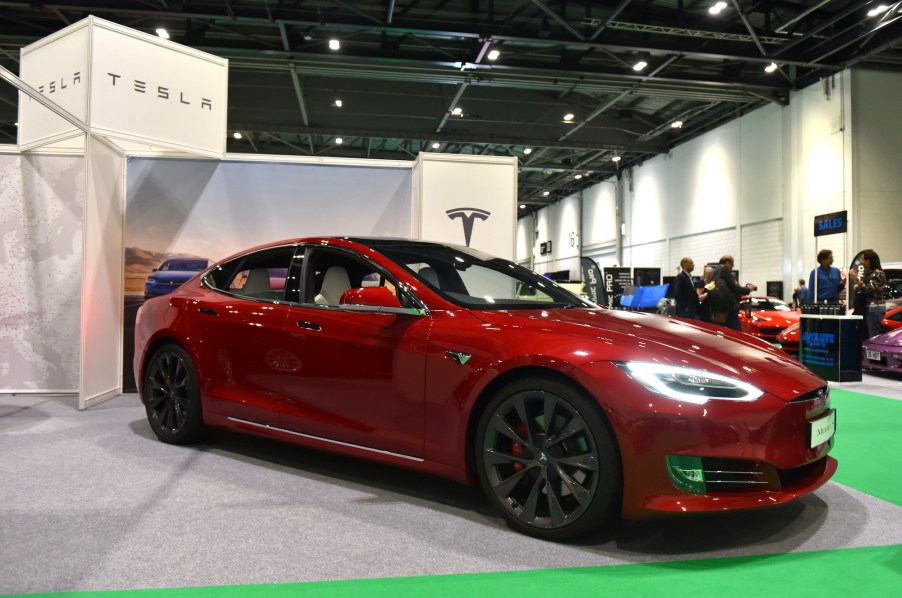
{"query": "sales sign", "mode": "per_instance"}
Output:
(830, 224)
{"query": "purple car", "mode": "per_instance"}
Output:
(883, 352)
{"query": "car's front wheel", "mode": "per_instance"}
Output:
(547, 458)
(172, 397)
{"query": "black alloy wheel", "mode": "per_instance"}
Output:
(172, 397)
(547, 458)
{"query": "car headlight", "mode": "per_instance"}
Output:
(151, 282)
(689, 384)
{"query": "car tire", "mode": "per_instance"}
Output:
(547, 458)
(172, 396)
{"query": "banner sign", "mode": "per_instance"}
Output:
(831, 224)
(592, 277)
(615, 281)
(126, 85)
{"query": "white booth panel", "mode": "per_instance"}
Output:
(101, 312)
(41, 199)
(762, 254)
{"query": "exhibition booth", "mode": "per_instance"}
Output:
(121, 164)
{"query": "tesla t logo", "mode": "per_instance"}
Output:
(468, 216)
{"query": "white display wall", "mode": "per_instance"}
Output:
(41, 199)
(752, 187)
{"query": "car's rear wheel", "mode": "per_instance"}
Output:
(172, 397)
(547, 458)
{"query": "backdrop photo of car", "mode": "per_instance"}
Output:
(452, 362)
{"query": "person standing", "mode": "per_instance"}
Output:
(687, 300)
(723, 277)
(704, 308)
(870, 286)
(829, 283)
(801, 294)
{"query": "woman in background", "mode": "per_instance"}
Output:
(870, 285)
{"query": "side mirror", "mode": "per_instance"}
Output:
(369, 296)
(154, 270)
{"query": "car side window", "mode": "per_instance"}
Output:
(259, 275)
(331, 272)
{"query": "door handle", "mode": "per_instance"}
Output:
(207, 310)
(309, 325)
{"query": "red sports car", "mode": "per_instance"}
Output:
(789, 339)
(449, 361)
(766, 317)
(892, 319)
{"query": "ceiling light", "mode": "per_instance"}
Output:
(307, 37)
(161, 32)
(522, 206)
(640, 65)
(458, 111)
(546, 193)
(579, 176)
(236, 135)
(615, 159)
(334, 44)
(715, 10)
(493, 55)
(569, 117)
(338, 103)
(527, 151)
(770, 68)
(878, 10)
(436, 145)
(677, 124)
(339, 141)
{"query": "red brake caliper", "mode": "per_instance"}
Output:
(517, 448)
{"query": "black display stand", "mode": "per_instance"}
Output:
(830, 346)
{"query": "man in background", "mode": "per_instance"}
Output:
(687, 299)
(825, 280)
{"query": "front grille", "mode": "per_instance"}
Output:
(770, 331)
(738, 475)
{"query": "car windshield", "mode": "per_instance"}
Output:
(770, 305)
(475, 280)
(183, 265)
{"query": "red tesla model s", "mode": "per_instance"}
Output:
(447, 360)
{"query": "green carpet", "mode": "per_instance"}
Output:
(873, 571)
(870, 459)
(868, 430)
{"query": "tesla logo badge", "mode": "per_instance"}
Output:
(468, 216)
(460, 358)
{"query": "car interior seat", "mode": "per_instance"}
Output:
(429, 275)
(335, 282)
(257, 282)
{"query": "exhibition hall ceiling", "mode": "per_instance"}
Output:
(559, 84)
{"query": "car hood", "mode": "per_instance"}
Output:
(890, 339)
(587, 335)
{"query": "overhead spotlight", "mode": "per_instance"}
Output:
(546, 193)
(677, 124)
(569, 117)
(334, 44)
(522, 206)
(338, 103)
(493, 55)
(579, 176)
(339, 141)
(615, 159)
(161, 32)
(527, 151)
(236, 135)
(717, 8)
(436, 145)
(878, 10)
(307, 37)
(770, 68)
(640, 65)
(458, 111)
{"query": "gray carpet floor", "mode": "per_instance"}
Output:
(92, 501)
